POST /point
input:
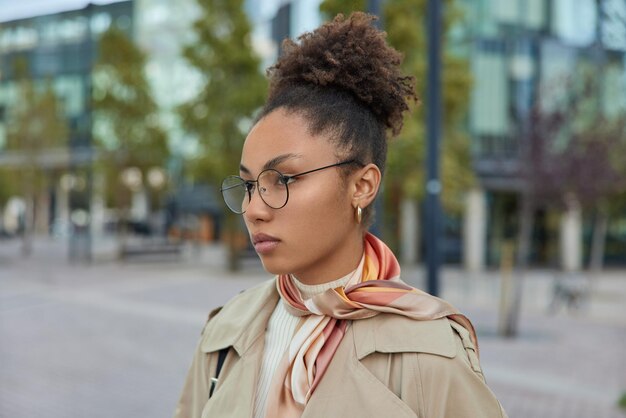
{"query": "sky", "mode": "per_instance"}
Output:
(19, 9)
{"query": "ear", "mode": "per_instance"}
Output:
(366, 182)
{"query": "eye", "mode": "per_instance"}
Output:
(249, 186)
(285, 180)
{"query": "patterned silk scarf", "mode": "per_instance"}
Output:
(378, 289)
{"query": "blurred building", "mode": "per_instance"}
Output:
(518, 48)
(515, 48)
(59, 48)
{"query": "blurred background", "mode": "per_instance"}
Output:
(118, 121)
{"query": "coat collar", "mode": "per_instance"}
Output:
(242, 320)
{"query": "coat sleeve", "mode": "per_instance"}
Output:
(455, 387)
(195, 392)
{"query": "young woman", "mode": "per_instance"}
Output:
(336, 333)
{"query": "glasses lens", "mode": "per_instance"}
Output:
(272, 189)
(234, 193)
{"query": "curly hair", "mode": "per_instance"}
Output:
(346, 81)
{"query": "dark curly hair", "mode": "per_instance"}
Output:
(345, 80)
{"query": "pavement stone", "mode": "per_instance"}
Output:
(116, 339)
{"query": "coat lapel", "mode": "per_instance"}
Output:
(348, 389)
(241, 325)
(234, 394)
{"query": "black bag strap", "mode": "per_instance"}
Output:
(221, 356)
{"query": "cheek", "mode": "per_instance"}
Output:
(319, 209)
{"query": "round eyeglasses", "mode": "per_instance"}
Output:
(273, 187)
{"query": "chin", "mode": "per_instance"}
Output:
(276, 267)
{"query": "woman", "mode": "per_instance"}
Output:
(336, 333)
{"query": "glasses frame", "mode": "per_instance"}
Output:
(248, 183)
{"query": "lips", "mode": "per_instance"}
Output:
(264, 243)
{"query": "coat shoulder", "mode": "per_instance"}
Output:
(245, 301)
(227, 324)
(431, 365)
(388, 333)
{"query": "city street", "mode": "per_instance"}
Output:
(115, 339)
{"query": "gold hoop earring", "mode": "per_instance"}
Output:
(358, 214)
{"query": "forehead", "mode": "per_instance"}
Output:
(281, 133)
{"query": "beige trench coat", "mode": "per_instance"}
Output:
(386, 366)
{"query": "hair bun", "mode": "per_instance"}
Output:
(351, 55)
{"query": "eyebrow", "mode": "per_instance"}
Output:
(272, 163)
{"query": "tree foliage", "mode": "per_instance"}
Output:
(220, 115)
(589, 168)
(35, 120)
(36, 125)
(126, 122)
(8, 187)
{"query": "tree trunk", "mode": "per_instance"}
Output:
(601, 222)
(42, 221)
(29, 213)
(511, 320)
(122, 216)
(29, 218)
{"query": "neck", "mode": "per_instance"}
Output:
(340, 262)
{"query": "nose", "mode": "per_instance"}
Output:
(257, 209)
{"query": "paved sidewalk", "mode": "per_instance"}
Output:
(112, 339)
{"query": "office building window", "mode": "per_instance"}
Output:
(528, 13)
(557, 63)
(490, 95)
(574, 21)
(46, 63)
(70, 88)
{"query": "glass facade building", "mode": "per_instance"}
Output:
(516, 48)
(59, 48)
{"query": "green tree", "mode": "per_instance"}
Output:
(404, 22)
(221, 113)
(8, 189)
(127, 130)
(36, 125)
(7, 186)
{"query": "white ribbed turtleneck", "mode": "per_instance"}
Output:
(279, 332)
